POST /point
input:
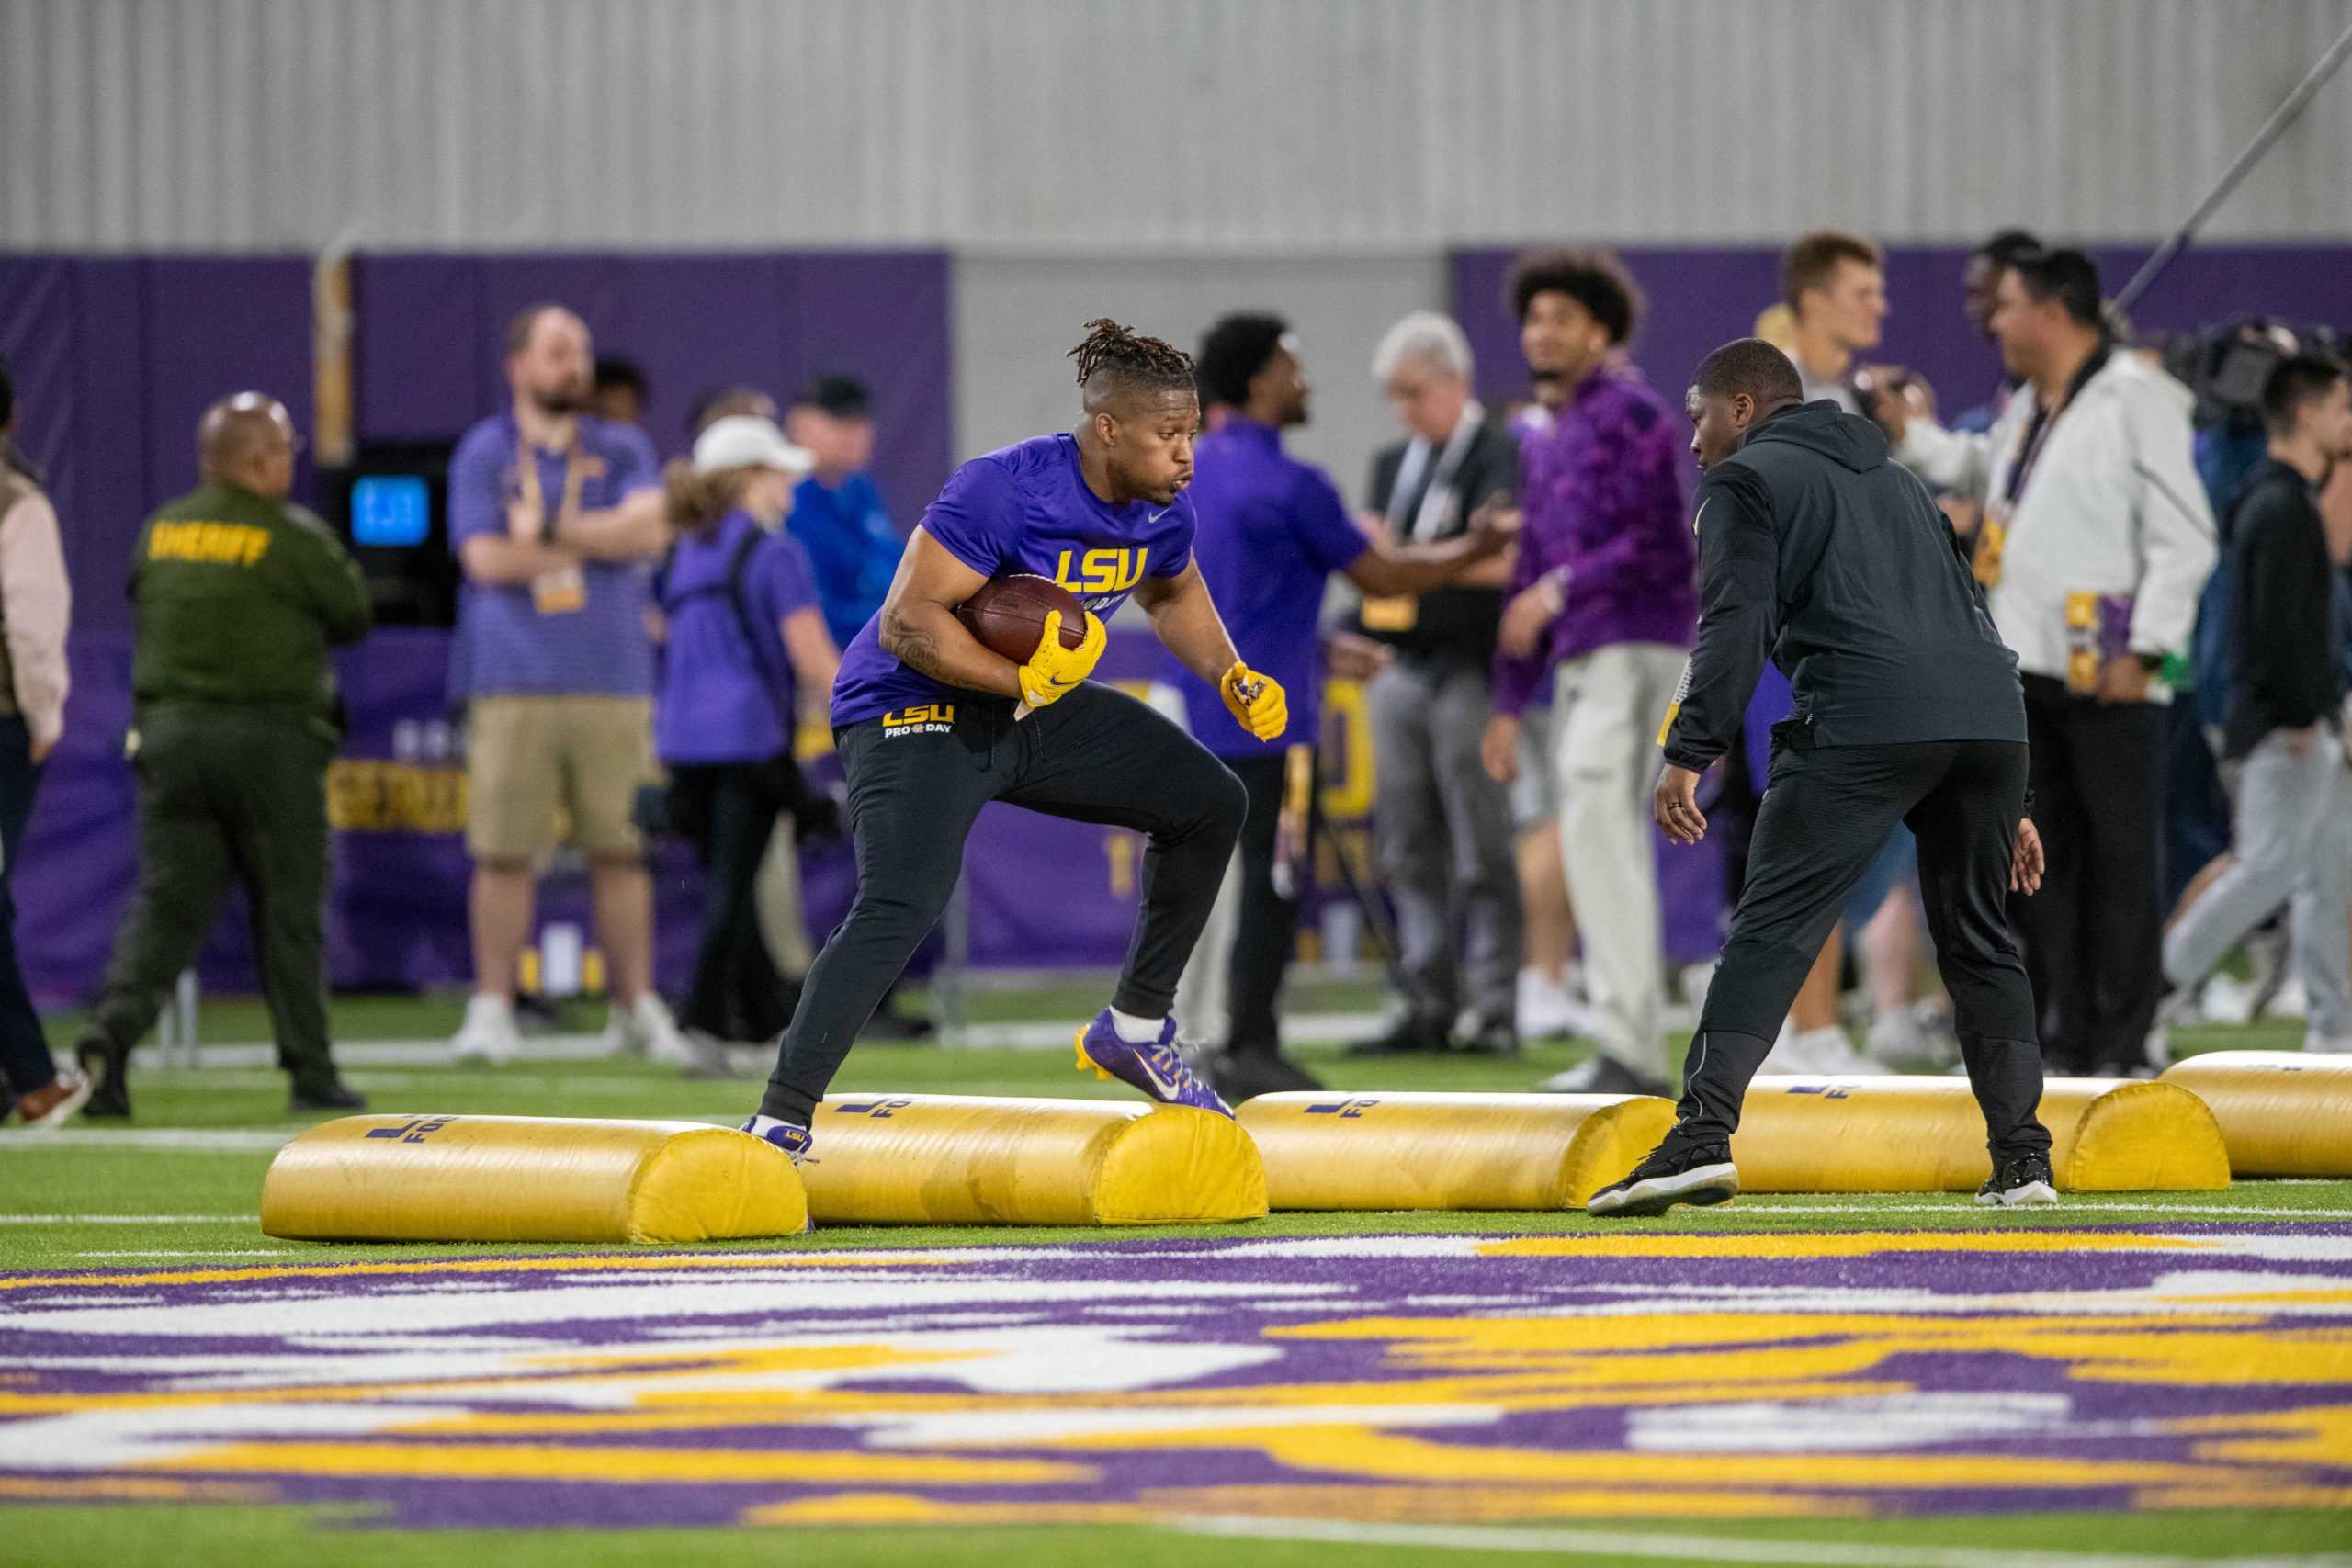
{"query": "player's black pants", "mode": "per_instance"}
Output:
(1824, 816)
(914, 788)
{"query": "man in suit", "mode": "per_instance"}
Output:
(1443, 827)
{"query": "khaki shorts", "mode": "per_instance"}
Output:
(543, 769)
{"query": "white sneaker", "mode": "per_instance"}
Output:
(2225, 1000)
(1783, 1057)
(645, 1029)
(1828, 1052)
(1546, 1007)
(1900, 1040)
(488, 1034)
(2289, 1001)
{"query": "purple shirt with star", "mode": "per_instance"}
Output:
(1271, 530)
(1024, 508)
(1600, 496)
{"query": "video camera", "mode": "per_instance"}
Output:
(2226, 366)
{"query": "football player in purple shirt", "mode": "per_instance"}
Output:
(932, 725)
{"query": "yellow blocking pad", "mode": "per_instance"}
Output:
(1921, 1134)
(969, 1160)
(1449, 1151)
(2281, 1112)
(528, 1179)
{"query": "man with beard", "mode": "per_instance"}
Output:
(556, 518)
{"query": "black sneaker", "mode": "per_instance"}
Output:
(1601, 1073)
(890, 1027)
(1252, 1073)
(110, 1075)
(1411, 1037)
(1677, 1171)
(1496, 1037)
(2018, 1181)
(325, 1094)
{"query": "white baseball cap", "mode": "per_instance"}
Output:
(747, 441)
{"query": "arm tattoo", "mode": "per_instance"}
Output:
(911, 644)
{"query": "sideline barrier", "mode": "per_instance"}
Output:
(972, 1160)
(1449, 1151)
(1924, 1134)
(528, 1179)
(2281, 1112)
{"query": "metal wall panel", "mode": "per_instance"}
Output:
(1081, 125)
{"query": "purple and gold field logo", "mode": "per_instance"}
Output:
(1431, 1379)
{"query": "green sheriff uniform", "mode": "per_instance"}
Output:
(235, 719)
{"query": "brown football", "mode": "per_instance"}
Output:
(1008, 615)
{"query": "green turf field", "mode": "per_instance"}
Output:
(103, 1210)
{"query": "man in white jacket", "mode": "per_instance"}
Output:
(2096, 540)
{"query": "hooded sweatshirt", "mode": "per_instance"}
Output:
(1817, 551)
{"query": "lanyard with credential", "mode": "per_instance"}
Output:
(1434, 496)
(2037, 433)
(564, 589)
(575, 475)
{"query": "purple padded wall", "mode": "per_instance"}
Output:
(114, 358)
(428, 350)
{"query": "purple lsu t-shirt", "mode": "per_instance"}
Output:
(1023, 509)
(724, 699)
(1269, 530)
(505, 644)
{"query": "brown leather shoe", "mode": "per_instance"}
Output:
(55, 1102)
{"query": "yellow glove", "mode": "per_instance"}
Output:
(1257, 701)
(1053, 671)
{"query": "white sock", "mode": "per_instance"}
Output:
(1136, 1031)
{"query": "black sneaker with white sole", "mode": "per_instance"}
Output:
(1679, 1170)
(2018, 1181)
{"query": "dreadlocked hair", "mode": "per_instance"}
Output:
(1111, 352)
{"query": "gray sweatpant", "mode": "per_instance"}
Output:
(2294, 846)
(1444, 835)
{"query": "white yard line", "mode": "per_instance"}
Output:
(128, 1220)
(1959, 1205)
(402, 1053)
(185, 1140)
(244, 1252)
(1645, 1545)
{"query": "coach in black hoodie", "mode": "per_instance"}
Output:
(1818, 552)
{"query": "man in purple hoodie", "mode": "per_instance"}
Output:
(1601, 605)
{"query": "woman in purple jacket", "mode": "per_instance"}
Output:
(744, 637)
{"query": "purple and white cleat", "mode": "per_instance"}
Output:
(1158, 1069)
(793, 1139)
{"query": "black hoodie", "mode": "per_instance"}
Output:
(1817, 551)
